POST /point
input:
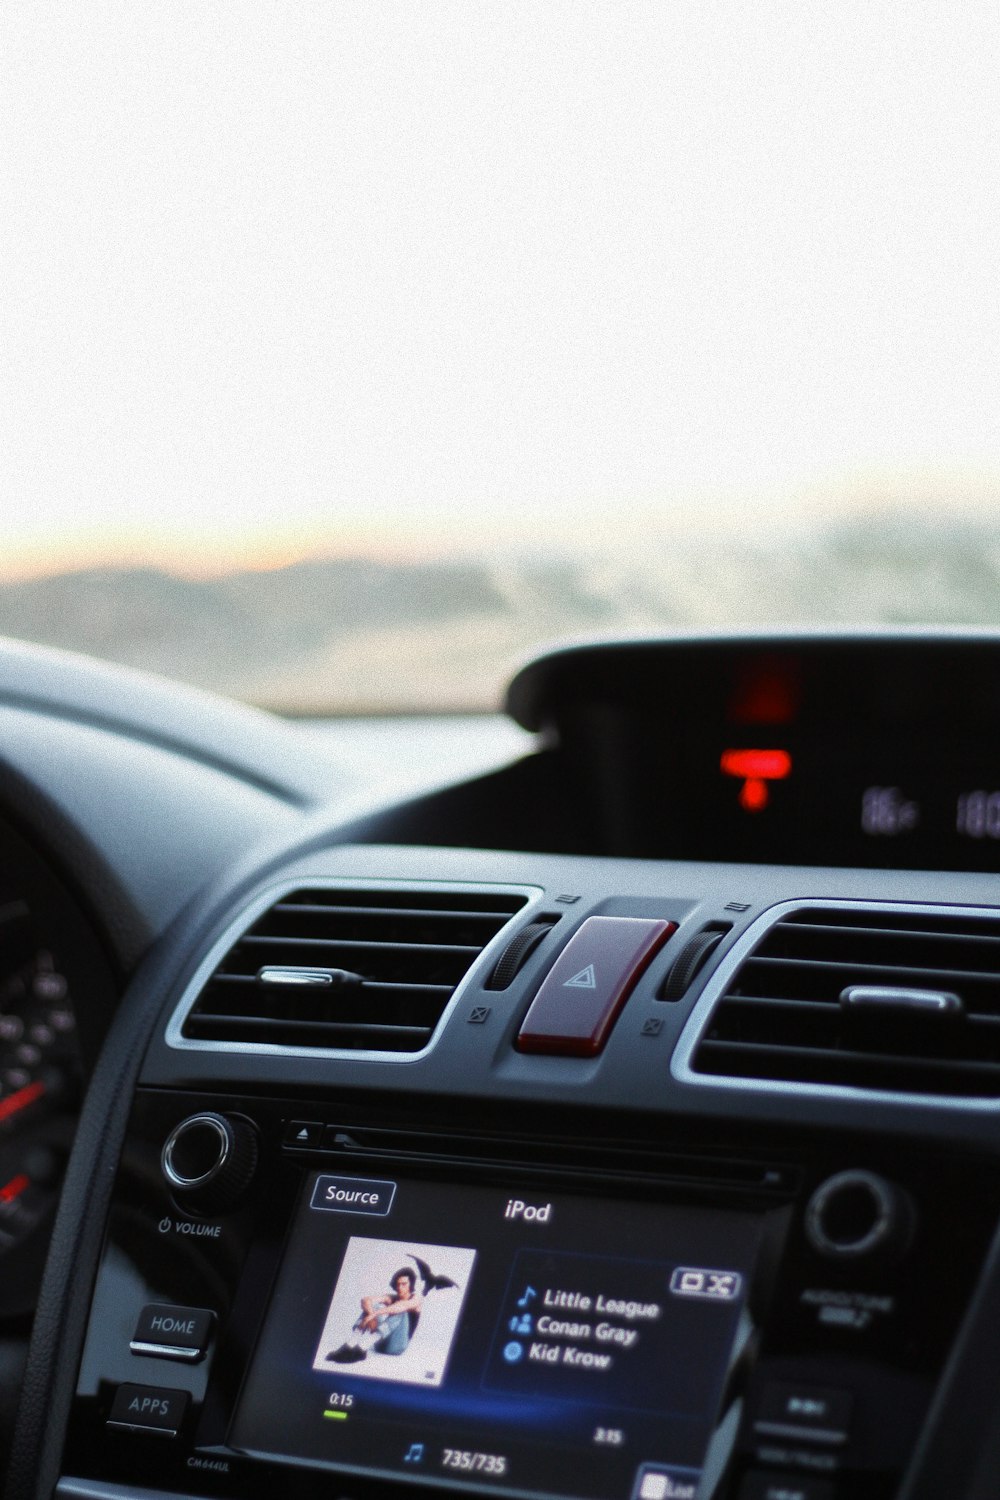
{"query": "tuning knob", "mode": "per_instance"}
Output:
(209, 1161)
(856, 1215)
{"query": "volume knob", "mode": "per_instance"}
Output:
(209, 1161)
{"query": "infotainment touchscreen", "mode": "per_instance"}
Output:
(527, 1342)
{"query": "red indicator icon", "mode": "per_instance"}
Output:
(767, 692)
(14, 1188)
(21, 1099)
(755, 768)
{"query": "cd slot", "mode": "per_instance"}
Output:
(634, 1163)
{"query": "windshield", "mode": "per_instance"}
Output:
(351, 351)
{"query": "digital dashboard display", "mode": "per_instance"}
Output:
(843, 800)
(867, 752)
(526, 1342)
(835, 796)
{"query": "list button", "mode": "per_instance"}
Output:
(167, 1332)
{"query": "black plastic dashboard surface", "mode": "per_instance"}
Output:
(707, 784)
(600, 1109)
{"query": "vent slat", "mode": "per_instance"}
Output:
(921, 971)
(320, 1033)
(285, 908)
(438, 901)
(250, 981)
(818, 1007)
(457, 929)
(896, 933)
(919, 1064)
(339, 945)
(820, 981)
(415, 989)
(859, 1070)
(780, 1003)
(410, 949)
(907, 920)
(780, 1017)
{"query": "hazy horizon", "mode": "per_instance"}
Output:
(595, 530)
(362, 634)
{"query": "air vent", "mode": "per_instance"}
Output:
(356, 969)
(902, 999)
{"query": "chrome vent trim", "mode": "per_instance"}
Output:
(480, 959)
(723, 980)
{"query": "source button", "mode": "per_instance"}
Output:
(353, 1195)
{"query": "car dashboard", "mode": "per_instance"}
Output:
(620, 1123)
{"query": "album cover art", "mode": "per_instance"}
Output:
(394, 1311)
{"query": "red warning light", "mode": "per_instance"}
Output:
(754, 794)
(755, 768)
(765, 765)
(767, 691)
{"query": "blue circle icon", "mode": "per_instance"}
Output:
(512, 1352)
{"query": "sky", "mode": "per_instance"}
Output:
(407, 278)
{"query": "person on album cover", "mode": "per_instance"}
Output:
(372, 1319)
(387, 1322)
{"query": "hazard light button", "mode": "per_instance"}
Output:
(580, 998)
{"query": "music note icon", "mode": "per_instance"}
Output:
(415, 1454)
(529, 1295)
